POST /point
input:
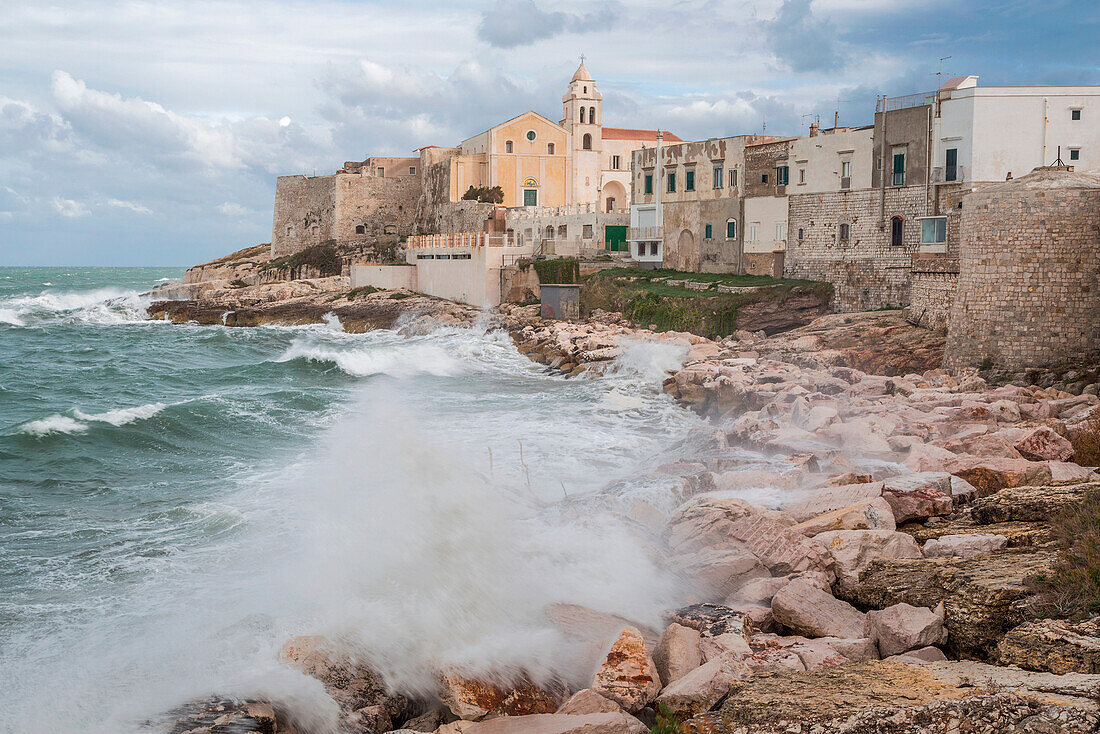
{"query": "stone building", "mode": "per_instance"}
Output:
(1029, 274)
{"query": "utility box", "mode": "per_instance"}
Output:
(561, 301)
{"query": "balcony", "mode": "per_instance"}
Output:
(645, 234)
(940, 175)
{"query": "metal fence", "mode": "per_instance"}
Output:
(887, 104)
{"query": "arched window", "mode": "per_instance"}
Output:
(360, 229)
(896, 230)
(845, 232)
(549, 232)
(592, 115)
(549, 149)
(582, 114)
(507, 146)
(587, 142)
(731, 229)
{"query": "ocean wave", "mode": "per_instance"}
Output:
(403, 360)
(100, 306)
(80, 421)
(10, 317)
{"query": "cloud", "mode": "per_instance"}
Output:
(136, 208)
(70, 209)
(802, 41)
(512, 23)
(233, 209)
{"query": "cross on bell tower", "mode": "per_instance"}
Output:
(582, 104)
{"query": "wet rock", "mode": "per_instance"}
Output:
(588, 701)
(224, 716)
(700, 689)
(628, 675)
(875, 514)
(807, 610)
(854, 550)
(712, 620)
(725, 644)
(964, 545)
(918, 496)
(677, 652)
(1054, 646)
(1042, 444)
(474, 699)
(605, 723)
(830, 499)
(903, 627)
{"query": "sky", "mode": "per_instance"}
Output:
(151, 133)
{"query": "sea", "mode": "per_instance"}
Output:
(176, 501)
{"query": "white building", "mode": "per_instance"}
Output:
(982, 134)
(839, 159)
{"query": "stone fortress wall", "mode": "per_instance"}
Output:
(1029, 274)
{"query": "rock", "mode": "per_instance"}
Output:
(853, 550)
(964, 545)
(1054, 646)
(725, 644)
(875, 514)
(962, 491)
(1064, 472)
(606, 723)
(703, 687)
(830, 499)
(1043, 444)
(994, 474)
(717, 571)
(918, 496)
(712, 620)
(903, 627)
(595, 630)
(857, 650)
(919, 657)
(588, 701)
(807, 610)
(474, 699)
(628, 675)
(1028, 504)
(351, 684)
(223, 716)
(677, 652)
(984, 596)
(928, 458)
(455, 727)
(428, 721)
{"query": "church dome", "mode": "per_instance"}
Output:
(581, 74)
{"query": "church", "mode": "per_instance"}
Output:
(538, 162)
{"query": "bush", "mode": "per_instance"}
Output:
(559, 270)
(324, 257)
(667, 722)
(484, 194)
(1072, 589)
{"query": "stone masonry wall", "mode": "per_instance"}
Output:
(932, 291)
(1029, 278)
(867, 272)
(436, 213)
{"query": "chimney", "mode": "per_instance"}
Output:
(813, 129)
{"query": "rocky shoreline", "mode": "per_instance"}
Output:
(894, 586)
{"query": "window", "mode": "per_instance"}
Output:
(671, 181)
(719, 177)
(933, 230)
(641, 249)
(780, 231)
(582, 114)
(689, 181)
(530, 197)
(731, 229)
(801, 233)
(549, 149)
(708, 233)
(587, 142)
(754, 232)
(507, 146)
(289, 230)
(845, 232)
(614, 163)
(592, 115)
(530, 134)
(733, 177)
(1075, 114)
(801, 175)
(782, 175)
(549, 232)
(763, 178)
(563, 232)
(380, 171)
(360, 229)
(899, 169)
(951, 164)
(649, 183)
(845, 169)
(653, 249)
(1075, 154)
(586, 232)
(896, 230)
(412, 170)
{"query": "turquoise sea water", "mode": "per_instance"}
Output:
(175, 501)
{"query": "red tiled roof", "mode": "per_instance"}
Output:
(628, 133)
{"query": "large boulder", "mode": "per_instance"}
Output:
(476, 698)
(918, 496)
(964, 545)
(1055, 646)
(602, 723)
(809, 611)
(677, 652)
(994, 474)
(628, 675)
(1043, 444)
(817, 502)
(903, 627)
(1028, 504)
(700, 689)
(875, 514)
(853, 550)
(588, 701)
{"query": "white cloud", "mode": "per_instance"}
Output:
(233, 209)
(70, 209)
(132, 206)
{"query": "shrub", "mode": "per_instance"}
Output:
(1072, 588)
(324, 257)
(484, 194)
(667, 722)
(559, 270)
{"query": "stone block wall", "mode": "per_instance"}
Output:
(435, 212)
(866, 271)
(1029, 274)
(932, 291)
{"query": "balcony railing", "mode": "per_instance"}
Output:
(460, 239)
(942, 174)
(900, 103)
(645, 234)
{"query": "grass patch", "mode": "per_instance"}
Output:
(401, 296)
(324, 257)
(667, 722)
(363, 290)
(1072, 589)
(238, 283)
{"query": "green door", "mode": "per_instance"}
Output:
(530, 197)
(614, 237)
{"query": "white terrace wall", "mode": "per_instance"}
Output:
(386, 277)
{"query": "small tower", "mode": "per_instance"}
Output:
(583, 118)
(582, 104)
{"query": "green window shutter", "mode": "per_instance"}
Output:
(708, 232)
(731, 229)
(689, 182)
(899, 163)
(649, 184)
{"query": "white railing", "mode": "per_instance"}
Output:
(647, 234)
(939, 175)
(459, 239)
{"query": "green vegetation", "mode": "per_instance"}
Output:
(667, 722)
(484, 194)
(363, 290)
(401, 296)
(1072, 588)
(646, 297)
(324, 257)
(238, 283)
(558, 270)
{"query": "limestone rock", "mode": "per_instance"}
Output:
(588, 701)
(928, 654)
(1055, 646)
(677, 652)
(903, 627)
(1044, 444)
(628, 675)
(808, 610)
(1028, 504)
(830, 499)
(964, 545)
(712, 620)
(992, 475)
(474, 699)
(918, 496)
(223, 716)
(703, 687)
(604, 723)
(725, 644)
(875, 514)
(853, 550)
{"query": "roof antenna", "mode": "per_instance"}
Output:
(939, 74)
